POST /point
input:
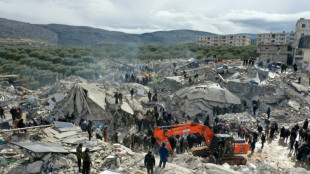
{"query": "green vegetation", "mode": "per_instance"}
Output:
(41, 66)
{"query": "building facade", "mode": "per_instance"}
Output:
(224, 40)
(275, 47)
(302, 30)
(275, 53)
(271, 38)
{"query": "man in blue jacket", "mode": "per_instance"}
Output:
(164, 153)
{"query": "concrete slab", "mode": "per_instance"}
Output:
(65, 134)
(42, 147)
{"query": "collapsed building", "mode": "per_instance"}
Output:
(224, 87)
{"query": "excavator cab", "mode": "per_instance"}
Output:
(231, 145)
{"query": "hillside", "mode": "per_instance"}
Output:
(173, 37)
(87, 36)
(21, 30)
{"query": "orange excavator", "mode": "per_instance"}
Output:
(227, 147)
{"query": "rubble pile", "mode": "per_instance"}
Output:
(202, 98)
(224, 91)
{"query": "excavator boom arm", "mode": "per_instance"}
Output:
(181, 129)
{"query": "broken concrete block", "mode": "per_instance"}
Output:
(35, 167)
(61, 162)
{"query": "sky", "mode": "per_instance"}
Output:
(141, 16)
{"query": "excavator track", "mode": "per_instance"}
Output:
(229, 159)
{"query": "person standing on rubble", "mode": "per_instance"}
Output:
(149, 95)
(86, 162)
(105, 134)
(149, 162)
(268, 112)
(116, 98)
(190, 80)
(131, 93)
(253, 146)
(2, 112)
(295, 67)
(263, 140)
(120, 97)
(89, 129)
(79, 155)
(306, 124)
(164, 153)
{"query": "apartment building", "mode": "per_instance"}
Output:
(271, 38)
(224, 40)
(302, 30)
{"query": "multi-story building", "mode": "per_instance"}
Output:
(290, 40)
(271, 38)
(275, 53)
(302, 30)
(224, 40)
(274, 47)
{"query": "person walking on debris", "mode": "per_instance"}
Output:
(259, 130)
(2, 112)
(120, 97)
(116, 98)
(296, 148)
(306, 123)
(253, 146)
(164, 153)
(295, 67)
(131, 93)
(105, 134)
(149, 162)
(149, 95)
(86, 162)
(190, 80)
(79, 155)
(268, 112)
(89, 129)
(263, 140)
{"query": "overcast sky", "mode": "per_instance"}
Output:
(139, 16)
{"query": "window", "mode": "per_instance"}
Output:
(302, 34)
(303, 25)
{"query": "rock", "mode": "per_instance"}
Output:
(47, 157)
(35, 167)
(72, 156)
(61, 162)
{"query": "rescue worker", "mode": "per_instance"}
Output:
(164, 153)
(86, 162)
(149, 162)
(79, 155)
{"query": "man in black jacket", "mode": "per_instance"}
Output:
(149, 162)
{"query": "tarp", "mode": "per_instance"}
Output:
(42, 147)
